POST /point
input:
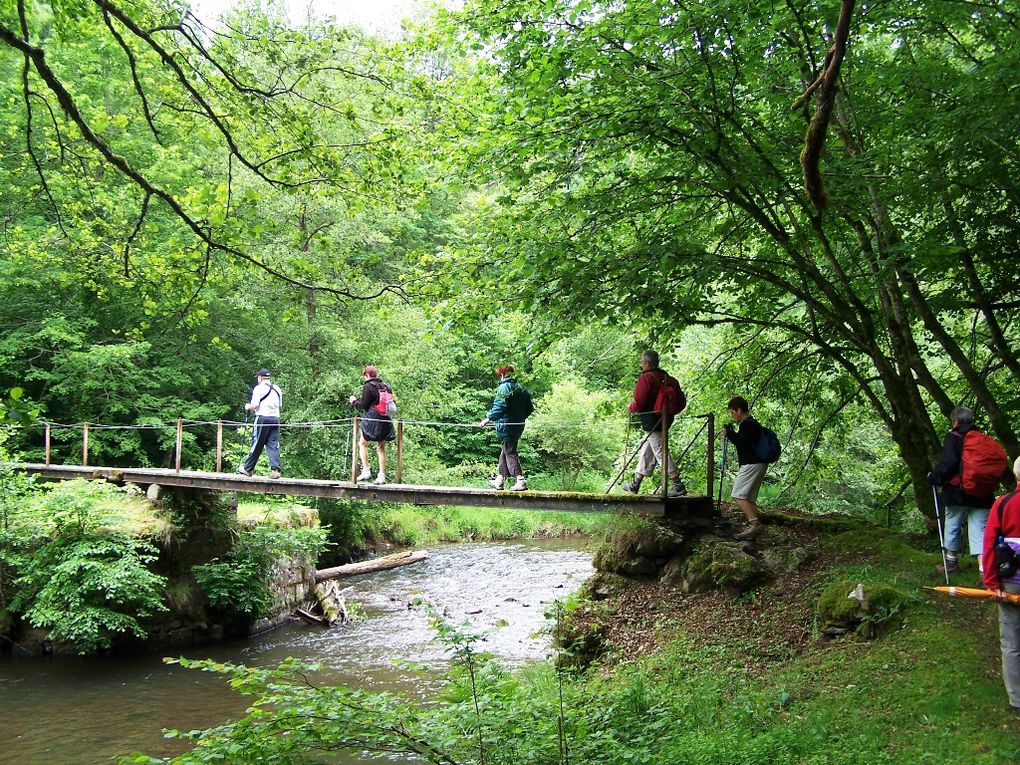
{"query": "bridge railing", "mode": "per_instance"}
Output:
(707, 426)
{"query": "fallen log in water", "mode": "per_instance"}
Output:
(332, 603)
(371, 566)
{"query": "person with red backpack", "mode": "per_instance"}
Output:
(968, 471)
(377, 423)
(1002, 574)
(656, 395)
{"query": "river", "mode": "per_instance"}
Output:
(85, 711)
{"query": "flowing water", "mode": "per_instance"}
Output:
(80, 711)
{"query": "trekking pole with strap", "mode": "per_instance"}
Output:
(942, 541)
(722, 473)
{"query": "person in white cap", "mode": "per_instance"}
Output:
(266, 402)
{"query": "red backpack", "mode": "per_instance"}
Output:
(983, 462)
(670, 400)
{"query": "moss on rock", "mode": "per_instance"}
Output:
(865, 609)
(717, 565)
(638, 551)
(581, 640)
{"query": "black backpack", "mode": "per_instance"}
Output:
(519, 404)
(768, 449)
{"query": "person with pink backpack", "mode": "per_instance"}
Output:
(377, 423)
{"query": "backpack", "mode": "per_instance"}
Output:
(983, 462)
(670, 400)
(1005, 558)
(387, 405)
(519, 404)
(768, 449)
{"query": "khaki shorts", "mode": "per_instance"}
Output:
(748, 481)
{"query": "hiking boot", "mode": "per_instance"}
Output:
(754, 528)
(951, 566)
(364, 475)
(242, 471)
(520, 484)
(274, 474)
(632, 487)
(496, 482)
(677, 489)
(380, 479)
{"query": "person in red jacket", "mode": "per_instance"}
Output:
(646, 389)
(1004, 521)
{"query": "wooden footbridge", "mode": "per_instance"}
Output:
(646, 504)
(654, 504)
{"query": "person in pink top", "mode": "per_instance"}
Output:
(1004, 521)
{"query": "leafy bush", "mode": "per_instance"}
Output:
(241, 582)
(574, 431)
(86, 584)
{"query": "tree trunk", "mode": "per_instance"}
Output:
(371, 566)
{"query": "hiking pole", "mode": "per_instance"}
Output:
(722, 474)
(942, 541)
(627, 463)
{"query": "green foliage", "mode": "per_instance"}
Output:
(574, 430)
(241, 582)
(84, 583)
(413, 526)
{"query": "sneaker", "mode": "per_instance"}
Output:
(364, 475)
(497, 481)
(242, 471)
(677, 489)
(754, 528)
(632, 487)
(520, 484)
(380, 479)
(274, 474)
(951, 566)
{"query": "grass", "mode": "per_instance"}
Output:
(412, 526)
(928, 690)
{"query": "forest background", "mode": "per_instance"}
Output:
(814, 207)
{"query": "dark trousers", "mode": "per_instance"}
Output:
(265, 434)
(509, 462)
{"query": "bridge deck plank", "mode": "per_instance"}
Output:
(645, 504)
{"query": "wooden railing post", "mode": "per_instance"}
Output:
(665, 457)
(180, 428)
(355, 433)
(710, 455)
(47, 443)
(85, 444)
(400, 451)
(219, 446)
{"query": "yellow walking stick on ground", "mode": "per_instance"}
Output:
(974, 592)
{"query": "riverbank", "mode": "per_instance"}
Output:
(779, 673)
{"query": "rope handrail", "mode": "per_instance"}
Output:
(316, 423)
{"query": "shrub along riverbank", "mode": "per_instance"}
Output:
(779, 672)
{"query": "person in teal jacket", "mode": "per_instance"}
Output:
(509, 409)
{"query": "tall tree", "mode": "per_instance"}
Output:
(844, 179)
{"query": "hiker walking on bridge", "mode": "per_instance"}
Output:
(656, 395)
(377, 424)
(266, 402)
(510, 408)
